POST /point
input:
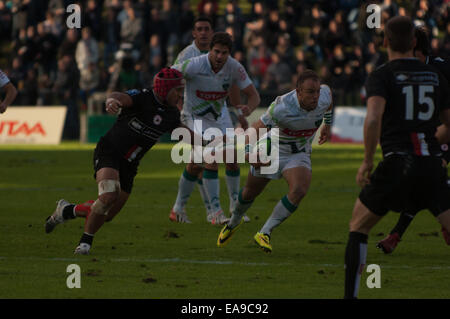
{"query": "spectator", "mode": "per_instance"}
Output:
(93, 18)
(69, 44)
(131, 31)
(5, 21)
(278, 76)
(29, 93)
(87, 50)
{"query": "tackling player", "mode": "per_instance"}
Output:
(144, 116)
(209, 79)
(298, 115)
(405, 100)
(422, 52)
(202, 33)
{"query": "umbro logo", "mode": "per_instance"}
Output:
(401, 77)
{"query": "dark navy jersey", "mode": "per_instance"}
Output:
(415, 94)
(443, 65)
(139, 127)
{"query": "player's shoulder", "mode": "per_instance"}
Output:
(325, 97)
(442, 64)
(3, 79)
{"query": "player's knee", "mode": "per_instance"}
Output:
(297, 194)
(108, 191)
(194, 169)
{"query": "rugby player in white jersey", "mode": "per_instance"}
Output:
(297, 115)
(209, 81)
(202, 33)
(9, 88)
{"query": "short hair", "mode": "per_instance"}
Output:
(422, 40)
(306, 75)
(203, 19)
(400, 34)
(222, 38)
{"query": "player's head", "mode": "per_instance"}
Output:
(202, 32)
(168, 85)
(422, 48)
(220, 49)
(399, 34)
(308, 89)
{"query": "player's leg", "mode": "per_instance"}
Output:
(118, 205)
(253, 187)
(390, 242)
(444, 220)
(361, 223)
(108, 193)
(204, 195)
(299, 180)
(186, 186)
(212, 186)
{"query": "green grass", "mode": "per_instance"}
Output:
(138, 256)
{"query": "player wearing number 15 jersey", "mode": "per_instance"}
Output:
(406, 98)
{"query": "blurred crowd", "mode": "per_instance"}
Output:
(123, 43)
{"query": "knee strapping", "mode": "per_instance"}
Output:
(108, 186)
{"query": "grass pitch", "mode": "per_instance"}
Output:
(141, 254)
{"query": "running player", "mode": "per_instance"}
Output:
(422, 52)
(297, 115)
(405, 100)
(202, 33)
(145, 115)
(209, 79)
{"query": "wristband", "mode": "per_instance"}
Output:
(328, 117)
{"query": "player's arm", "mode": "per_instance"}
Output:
(253, 100)
(325, 132)
(372, 131)
(11, 93)
(443, 131)
(117, 100)
(235, 99)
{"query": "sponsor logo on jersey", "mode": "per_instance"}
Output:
(211, 95)
(299, 133)
(425, 78)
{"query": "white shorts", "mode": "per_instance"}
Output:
(286, 161)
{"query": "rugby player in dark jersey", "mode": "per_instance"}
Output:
(407, 101)
(422, 52)
(144, 116)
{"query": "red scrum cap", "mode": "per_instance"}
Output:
(166, 80)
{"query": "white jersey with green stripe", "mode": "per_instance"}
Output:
(296, 126)
(206, 91)
(189, 52)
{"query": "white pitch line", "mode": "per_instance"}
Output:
(214, 262)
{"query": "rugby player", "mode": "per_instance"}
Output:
(9, 88)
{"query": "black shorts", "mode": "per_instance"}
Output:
(105, 156)
(407, 183)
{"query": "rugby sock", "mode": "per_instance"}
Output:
(185, 187)
(212, 187)
(83, 210)
(204, 196)
(69, 212)
(233, 179)
(87, 239)
(241, 207)
(403, 223)
(283, 209)
(355, 260)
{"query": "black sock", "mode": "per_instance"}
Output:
(403, 223)
(87, 239)
(355, 260)
(68, 212)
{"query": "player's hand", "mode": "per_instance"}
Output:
(245, 109)
(363, 175)
(243, 121)
(113, 106)
(325, 134)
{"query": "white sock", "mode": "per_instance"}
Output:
(212, 187)
(233, 180)
(241, 207)
(185, 187)
(204, 196)
(282, 210)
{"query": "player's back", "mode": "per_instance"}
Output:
(414, 93)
